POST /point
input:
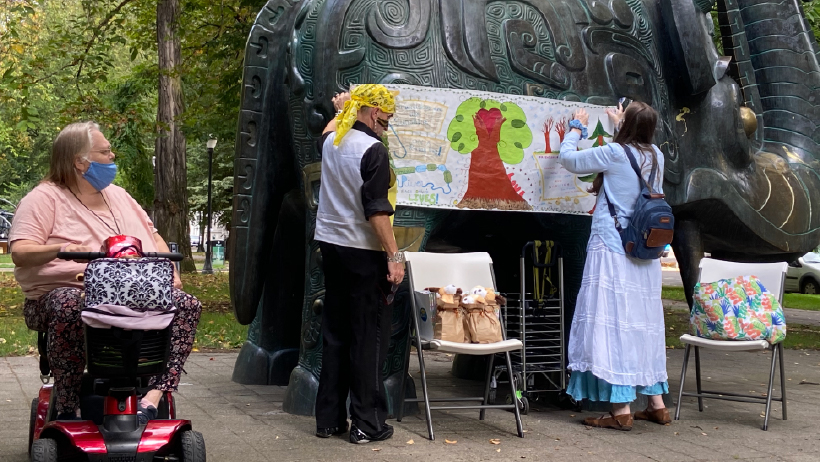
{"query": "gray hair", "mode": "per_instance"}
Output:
(73, 142)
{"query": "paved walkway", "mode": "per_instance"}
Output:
(247, 423)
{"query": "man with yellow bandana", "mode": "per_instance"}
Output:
(362, 266)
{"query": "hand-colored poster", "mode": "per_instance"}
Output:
(488, 151)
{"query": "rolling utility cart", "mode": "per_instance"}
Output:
(536, 317)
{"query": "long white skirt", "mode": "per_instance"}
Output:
(618, 331)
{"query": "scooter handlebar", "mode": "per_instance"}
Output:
(80, 255)
(173, 256)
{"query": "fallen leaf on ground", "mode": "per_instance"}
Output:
(495, 441)
(377, 449)
(498, 450)
(677, 433)
(572, 415)
(702, 433)
(411, 442)
(211, 359)
(451, 442)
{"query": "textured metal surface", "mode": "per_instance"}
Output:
(735, 193)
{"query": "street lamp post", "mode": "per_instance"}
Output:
(207, 268)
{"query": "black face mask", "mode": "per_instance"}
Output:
(384, 123)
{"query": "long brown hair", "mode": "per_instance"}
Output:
(637, 130)
(73, 141)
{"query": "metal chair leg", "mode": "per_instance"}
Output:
(771, 382)
(682, 379)
(697, 378)
(487, 385)
(518, 423)
(424, 391)
(782, 378)
(403, 389)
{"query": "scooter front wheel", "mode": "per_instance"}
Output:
(193, 446)
(45, 450)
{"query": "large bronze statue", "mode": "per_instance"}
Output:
(738, 131)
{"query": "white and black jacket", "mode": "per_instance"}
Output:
(355, 180)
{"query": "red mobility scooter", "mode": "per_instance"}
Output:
(119, 364)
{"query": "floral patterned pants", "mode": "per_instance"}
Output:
(58, 313)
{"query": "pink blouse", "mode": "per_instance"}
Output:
(50, 214)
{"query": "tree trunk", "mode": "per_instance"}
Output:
(171, 185)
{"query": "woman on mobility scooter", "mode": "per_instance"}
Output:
(74, 209)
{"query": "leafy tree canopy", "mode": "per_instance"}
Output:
(515, 134)
(67, 60)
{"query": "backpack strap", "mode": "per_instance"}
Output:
(612, 211)
(641, 185)
(637, 169)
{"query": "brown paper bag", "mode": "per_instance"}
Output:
(469, 309)
(484, 325)
(450, 321)
(450, 325)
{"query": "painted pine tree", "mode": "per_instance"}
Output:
(599, 133)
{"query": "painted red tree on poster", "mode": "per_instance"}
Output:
(493, 133)
(561, 128)
(549, 124)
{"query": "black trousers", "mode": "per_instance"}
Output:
(356, 327)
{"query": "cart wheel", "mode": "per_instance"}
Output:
(491, 398)
(193, 446)
(524, 406)
(44, 450)
(32, 421)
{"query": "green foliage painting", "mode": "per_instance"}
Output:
(493, 133)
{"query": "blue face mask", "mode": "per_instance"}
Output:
(100, 175)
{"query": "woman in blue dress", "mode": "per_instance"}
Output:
(617, 344)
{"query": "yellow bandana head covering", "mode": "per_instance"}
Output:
(372, 95)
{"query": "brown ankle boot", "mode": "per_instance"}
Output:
(621, 422)
(660, 416)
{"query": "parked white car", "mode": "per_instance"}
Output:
(804, 275)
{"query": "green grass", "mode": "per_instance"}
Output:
(802, 301)
(798, 336)
(15, 338)
(5, 261)
(673, 293)
(219, 331)
(199, 261)
(212, 290)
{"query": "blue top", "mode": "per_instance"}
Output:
(620, 182)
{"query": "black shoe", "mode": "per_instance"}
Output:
(359, 437)
(146, 413)
(327, 432)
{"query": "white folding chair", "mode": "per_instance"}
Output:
(772, 275)
(465, 270)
